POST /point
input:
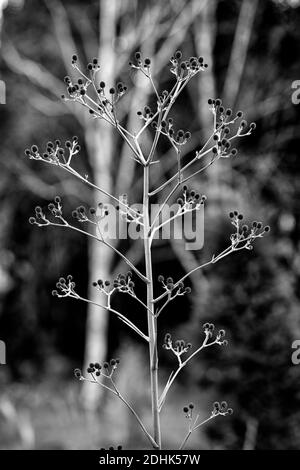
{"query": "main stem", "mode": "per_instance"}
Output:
(152, 321)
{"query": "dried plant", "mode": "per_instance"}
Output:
(91, 93)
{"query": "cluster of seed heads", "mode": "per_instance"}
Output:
(55, 152)
(224, 118)
(102, 285)
(77, 91)
(177, 138)
(146, 114)
(91, 66)
(209, 329)
(40, 218)
(111, 448)
(115, 93)
(122, 283)
(244, 233)
(221, 409)
(96, 370)
(179, 347)
(168, 285)
(141, 63)
(188, 410)
(107, 368)
(190, 199)
(64, 287)
(223, 114)
(80, 213)
(186, 68)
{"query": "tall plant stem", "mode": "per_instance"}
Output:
(152, 321)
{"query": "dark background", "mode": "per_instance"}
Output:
(252, 48)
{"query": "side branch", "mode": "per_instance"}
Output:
(113, 389)
(67, 289)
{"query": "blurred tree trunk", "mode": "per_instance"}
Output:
(239, 51)
(205, 36)
(251, 434)
(99, 141)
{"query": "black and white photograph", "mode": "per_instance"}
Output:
(149, 230)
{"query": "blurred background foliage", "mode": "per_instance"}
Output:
(252, 48)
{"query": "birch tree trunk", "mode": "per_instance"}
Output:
(99, 141)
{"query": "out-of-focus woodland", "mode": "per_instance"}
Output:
(252, 48)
